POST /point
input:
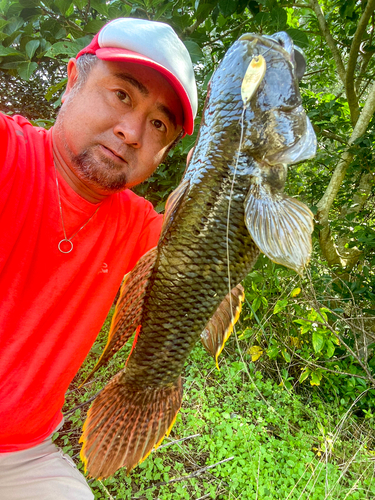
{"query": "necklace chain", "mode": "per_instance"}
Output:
(66, 239)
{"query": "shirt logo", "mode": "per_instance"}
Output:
(104, 268)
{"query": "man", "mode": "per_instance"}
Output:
(71, 230)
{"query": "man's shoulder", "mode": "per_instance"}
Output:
(20, 126)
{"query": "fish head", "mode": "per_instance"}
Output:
(279, 129)
(276, 127)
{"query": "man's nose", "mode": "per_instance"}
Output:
(130, 129)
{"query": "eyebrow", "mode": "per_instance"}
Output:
(144, 91)
(130, 79)
(169, 114)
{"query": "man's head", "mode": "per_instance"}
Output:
(124, 109)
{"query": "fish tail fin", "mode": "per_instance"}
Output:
(124, 424)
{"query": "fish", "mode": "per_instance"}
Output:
(229, 207)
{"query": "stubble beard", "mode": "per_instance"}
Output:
(102, 173)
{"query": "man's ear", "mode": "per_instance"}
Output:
(72, 77)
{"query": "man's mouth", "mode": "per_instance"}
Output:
(112, 154)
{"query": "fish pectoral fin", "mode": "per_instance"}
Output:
(220, 326)
(173, 204)
(125, 423)
(280, 226)
(128, 312)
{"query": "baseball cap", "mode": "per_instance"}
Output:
(152, 44)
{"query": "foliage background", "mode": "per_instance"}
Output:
(299, 374)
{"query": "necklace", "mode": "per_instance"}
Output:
(66, 239)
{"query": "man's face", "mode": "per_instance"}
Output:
(115, 130)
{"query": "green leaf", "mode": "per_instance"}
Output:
(31, 47)
(80, 4)
(70, 49)
(13, 25)
(161, 9)
(8, 51)
(304, 375)
(280, 305)
(286, 355)
(94, 26)
(26, 69)
(299, 37)
(29, 3)
(316, 377)
(273, 352)
(194, 50)
(228, 7)
(58, 48)
(100, 6)
(10, 65)
(263, 18)
(279, 18)
(63, 6)
(317, 341)
(256, 303)
(330, 349)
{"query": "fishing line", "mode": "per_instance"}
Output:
(253, 77)
(229, 207)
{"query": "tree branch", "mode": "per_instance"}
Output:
(332, 136)
(333, 187)
(193, 27)
(329, 249)
(338, 254)
(329, 38)
(352, 61)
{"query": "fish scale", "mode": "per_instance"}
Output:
(203, 304)
(230, 203)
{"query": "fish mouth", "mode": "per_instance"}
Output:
(280, 42)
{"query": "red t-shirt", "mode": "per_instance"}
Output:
(52, 305)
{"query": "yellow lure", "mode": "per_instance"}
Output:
(252, 79)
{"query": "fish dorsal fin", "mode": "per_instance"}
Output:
(280, 226)
(173, 204)
(129, 307)
(220, 326)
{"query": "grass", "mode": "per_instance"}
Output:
(271, 443)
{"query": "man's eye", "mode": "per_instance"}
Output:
(159, 125)
(123, 96)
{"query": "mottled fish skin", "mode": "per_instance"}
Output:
(186, 278)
